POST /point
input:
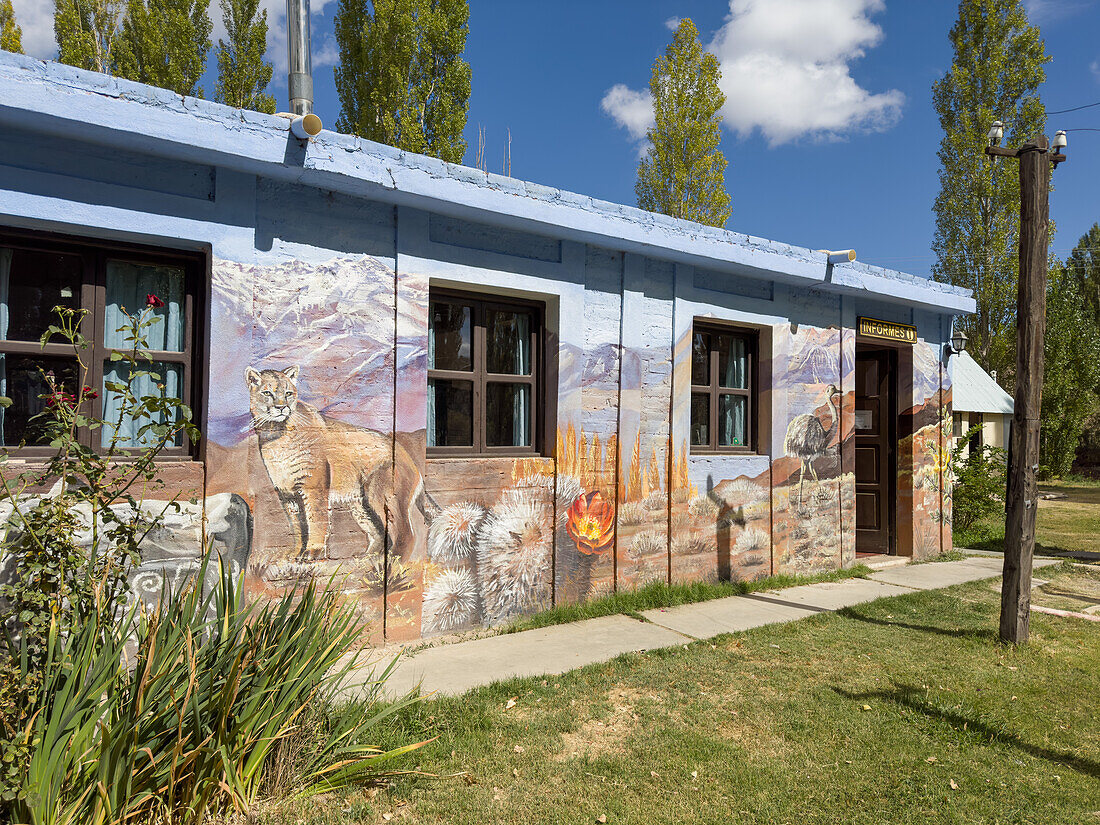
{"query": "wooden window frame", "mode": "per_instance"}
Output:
(713, 391)
(94, 256)
(480, 304)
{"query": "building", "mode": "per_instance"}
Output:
(468, 396)
(977, 398)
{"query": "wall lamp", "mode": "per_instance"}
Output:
(957, 344)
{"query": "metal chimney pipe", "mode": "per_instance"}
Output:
(300, 77)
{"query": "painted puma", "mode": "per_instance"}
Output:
(316, 462)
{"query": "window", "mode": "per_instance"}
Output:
(483, 375)
(723, 395)
(39, 272)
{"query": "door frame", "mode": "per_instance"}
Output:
(892, 437)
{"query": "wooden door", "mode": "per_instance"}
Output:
(876, 442)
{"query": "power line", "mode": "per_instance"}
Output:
(1074, 109)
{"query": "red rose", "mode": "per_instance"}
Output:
(152, 300)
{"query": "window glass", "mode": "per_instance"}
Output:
(22, 381)
(39, 273)
(507, 342)
(722, 405)
(731, 420)
(130, 429)
(32, 283)
(450, 342)
(507, 415)
(732, 361)
(450, 413)
(700, 419)
(128, 287)
(493, 407)
(700, 359)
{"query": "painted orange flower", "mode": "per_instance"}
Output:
(591, 523)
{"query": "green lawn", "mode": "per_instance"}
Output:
(1070, 524)
(905, 710)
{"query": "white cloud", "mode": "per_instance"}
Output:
(786, 72)
(786, 69)
(673, 23)
(35, 17)
(631, 110)
(1049, 11)
(1095, 67)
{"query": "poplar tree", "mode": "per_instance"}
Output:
(402, 79)
(11, 35)
(1071, 369)
(1083, 265)
(164, 43)
(683, 171)
(243, 74)
(86, 32)
(995, 75)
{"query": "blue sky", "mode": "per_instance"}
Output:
(831, 136)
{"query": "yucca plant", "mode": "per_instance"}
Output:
(186, 724)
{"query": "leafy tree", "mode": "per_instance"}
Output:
(683, 171)
(11, 35)
(86, 32)
(1071, 366)
(978, 490)
(401, 77)
(164, 43)
(995, 75)
(1084, 266)
(1070, 408)
(243, 74)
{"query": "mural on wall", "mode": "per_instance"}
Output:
(172, 552)
(809, 489)
(319, 432)
(304, 426)
(924, 452)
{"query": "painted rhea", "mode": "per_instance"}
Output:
(808, 440)
(453, 532)
(450, 601)
(514, 552)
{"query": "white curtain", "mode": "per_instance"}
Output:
(128, 285)
(521, 399)
(731, 414)
(146, 385)
(736, 362)
(5, 273)
(431, 406)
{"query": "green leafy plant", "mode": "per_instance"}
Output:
(216, 685)
(71, 528)
(980, 478)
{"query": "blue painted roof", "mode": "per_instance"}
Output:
(61, 100)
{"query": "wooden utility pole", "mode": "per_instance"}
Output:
(1031, 320)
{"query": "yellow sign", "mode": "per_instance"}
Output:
(887, 330)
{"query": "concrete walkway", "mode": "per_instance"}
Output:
(455, 668)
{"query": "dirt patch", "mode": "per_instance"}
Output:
(1070, 587)
(757, 737)
(596, 737)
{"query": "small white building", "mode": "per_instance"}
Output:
(977, 398)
